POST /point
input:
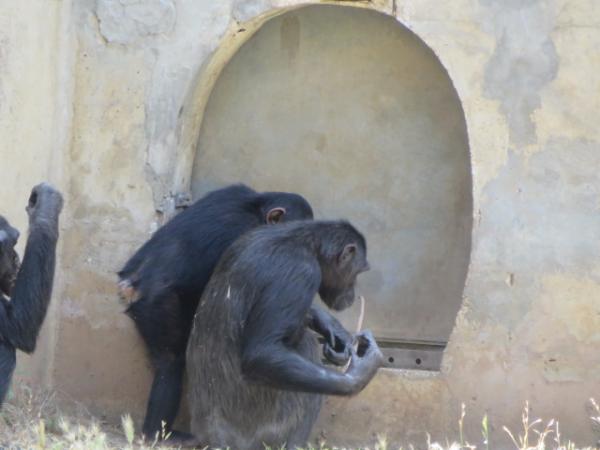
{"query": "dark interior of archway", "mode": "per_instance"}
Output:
(352, 110)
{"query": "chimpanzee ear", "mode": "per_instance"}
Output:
(275, 215)
(347, 254)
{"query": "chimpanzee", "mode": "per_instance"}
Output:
(166, 276)
(252, 365)
(25, 291)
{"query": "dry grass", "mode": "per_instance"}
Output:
(33, 420)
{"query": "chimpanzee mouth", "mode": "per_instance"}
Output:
(343, 302)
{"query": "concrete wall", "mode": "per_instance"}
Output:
(106, 99)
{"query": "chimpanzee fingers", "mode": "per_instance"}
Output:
(370, 348)
(40, 191)
(340, 332)
(367, 344)
(366, 334)
(366, 339)
(331, 339)
(49, 197)
(337, 358)
(345, 338)
(44, 196)
(32, 203)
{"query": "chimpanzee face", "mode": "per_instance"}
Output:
(281, 207)
(338, 277)
(9, 259)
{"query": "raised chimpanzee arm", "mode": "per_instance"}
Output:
(338, 341)
(22, 317)
(272, 330)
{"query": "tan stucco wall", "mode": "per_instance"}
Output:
(105, 99)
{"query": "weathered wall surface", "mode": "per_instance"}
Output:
(106, 100)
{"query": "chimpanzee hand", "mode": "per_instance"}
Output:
(44, 207)
(338, 342)
(365, 361)
(337, 348)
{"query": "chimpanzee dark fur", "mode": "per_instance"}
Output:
(253, 366)
(166, 276)
(25, 291)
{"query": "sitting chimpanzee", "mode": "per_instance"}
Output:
(253, 367)
(166, 276)
(25, 292)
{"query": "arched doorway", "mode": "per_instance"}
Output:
(356, 113)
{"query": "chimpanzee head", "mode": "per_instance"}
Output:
(280, 207)
(9, 259)
(344, 256)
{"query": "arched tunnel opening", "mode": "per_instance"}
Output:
(362, 119)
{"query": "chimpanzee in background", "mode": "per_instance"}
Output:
(165, 278)
(25, 291)
(253, 367)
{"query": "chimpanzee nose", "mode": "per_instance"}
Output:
(15, 234)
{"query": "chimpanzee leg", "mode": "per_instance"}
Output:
(298, 437)
(311, 403)
(165, 395)
(164, 327)
(8, 361)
